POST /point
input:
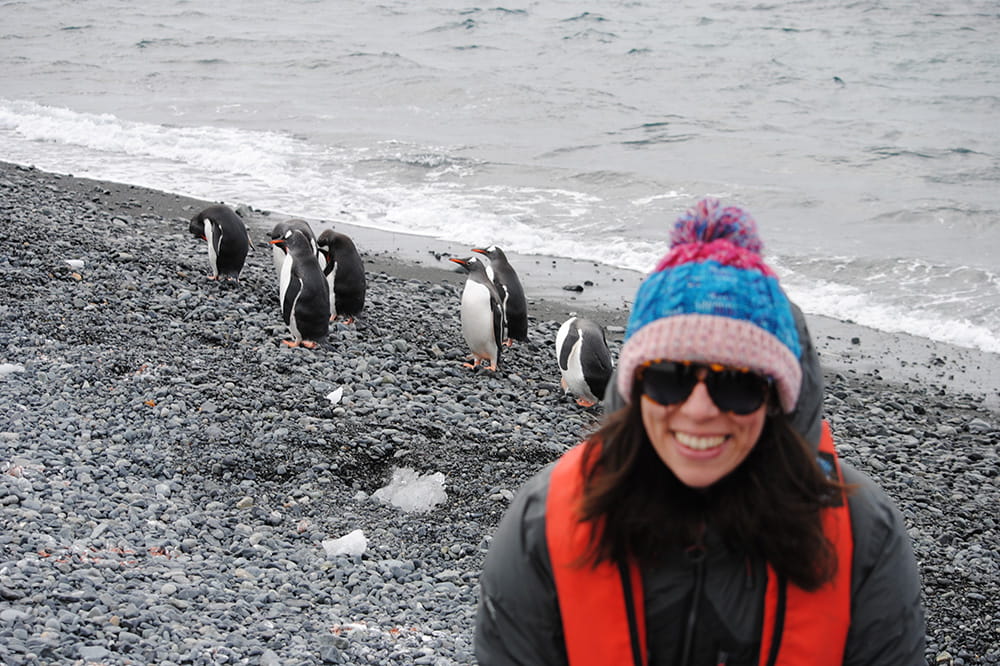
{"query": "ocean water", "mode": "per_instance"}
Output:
(862, 136)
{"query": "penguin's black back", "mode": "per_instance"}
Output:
(595, 357)
(511, 294)
(350, 282)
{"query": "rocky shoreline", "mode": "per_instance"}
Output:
(169, 471)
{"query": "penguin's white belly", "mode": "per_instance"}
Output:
(284, 278)
(213, 259)
(330, 279)
(278, 257)
(576, 383)
(477, 320)
(293, 325)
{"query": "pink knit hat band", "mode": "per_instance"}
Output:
(712, 339)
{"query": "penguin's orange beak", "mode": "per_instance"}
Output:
(479, 250)
(460, 262)
(276, 241)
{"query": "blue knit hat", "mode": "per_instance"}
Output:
(712, 299)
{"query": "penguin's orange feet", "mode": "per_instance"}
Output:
(310, 344)
(583, 402)
(509, 342)
(470, 365)
(212, 277)
(290, 343)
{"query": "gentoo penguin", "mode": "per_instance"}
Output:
(584, 360)
(278, 250)
(345, 274)
(305, 300)
(515, 307)
(227, 237)
(482, 314)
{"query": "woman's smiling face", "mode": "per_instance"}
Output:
(699, 442)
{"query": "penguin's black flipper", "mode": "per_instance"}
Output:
(291, 295)
(217, 234)
(499, 325)
(504, 297)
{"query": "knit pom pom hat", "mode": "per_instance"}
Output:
(712, 299)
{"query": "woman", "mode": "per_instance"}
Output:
(697, 526)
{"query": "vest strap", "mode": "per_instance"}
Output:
(813, 627)
(594, 606)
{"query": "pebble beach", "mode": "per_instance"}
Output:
(172, 476)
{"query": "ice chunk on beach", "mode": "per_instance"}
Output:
(352, 543)
(335, 395)
(7, 368)
(75, 264)
(412, 492)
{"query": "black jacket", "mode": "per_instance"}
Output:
(518, 620)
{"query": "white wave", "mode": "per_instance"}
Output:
(280, 172)
(846, 302)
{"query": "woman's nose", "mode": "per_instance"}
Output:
(700, 404)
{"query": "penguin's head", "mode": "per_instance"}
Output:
(466, 265)
(327, 243)
(492, 252)
(294, 241)
(334, 240)
(277, 235)
(283, 238)
(197, 226)
(281, 229)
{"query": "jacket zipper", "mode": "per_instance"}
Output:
(696, 555)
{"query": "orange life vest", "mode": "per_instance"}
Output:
(603, 619)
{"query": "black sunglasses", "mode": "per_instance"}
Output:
(736, 390)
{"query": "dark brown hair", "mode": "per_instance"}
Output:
(767, 507)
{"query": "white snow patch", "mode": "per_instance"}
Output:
(7, 368)
(412, 492)
(352, 543)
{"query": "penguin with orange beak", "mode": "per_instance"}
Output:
(482, 314)
(303, 292)
(278, 250)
